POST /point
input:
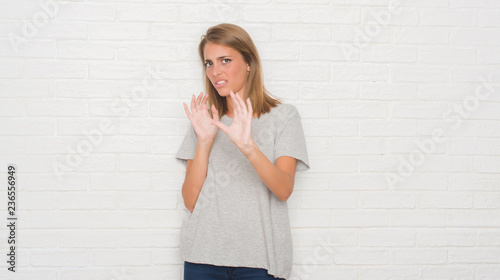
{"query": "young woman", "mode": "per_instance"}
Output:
(241, 156)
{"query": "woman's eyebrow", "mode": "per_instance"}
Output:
(220, 57)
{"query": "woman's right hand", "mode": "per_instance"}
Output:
(200, 118)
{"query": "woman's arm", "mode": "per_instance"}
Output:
(196, 173)
(278, 178)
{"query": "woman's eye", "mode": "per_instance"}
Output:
(226, 60)
(208, 63)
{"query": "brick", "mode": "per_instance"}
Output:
(117, 71)
(360, 72)
(473, 218)
(486, 200)
(474, 181)
(488, 128)
(361, 256)
(475, 36)
(87, 238)
(484, 272)
(358, 109)
(472, 146)
(107, 257)
(12, 108)
(42, 238)
(315, 110)
(56, 69)
(294, 71)
(148, 126)
(330, 14)
(118, 31)
(142, 200)
(392, 272)
(330, 127)
(475, 4)
(324, 237)
(310, 218)
(331, 52)
(50, 182)
(150, 51)
(440, 55)
(58, 29)
(31, 163)
(487, 164)
(404, 145)
(86, 12)
(147, 238)
(39, 200)
(12, 145)
(387, 237)
(420, 74)
(224, 12)
(279, 51)
(25, 88)
(479, 256)
(448, 17)
(177, 32)
(59, 257)
(337, 164)
(270, 13)
(445, 91)
(58, 219)
(29, 49)
(421, 35)
(153, 13)
(488, 237)
(444, 200)
(359, 218)
(384, 91)
(356, 36)
(81, 162)
(488, 55)
(86, 89)
(64, 107)
(388, 128)
(387, 53)
(86, 200)
(167, 109)
(125, 219)
(119, 181)
(86, 50)
(328, 200)
(357, 146)
(442, 237)
(123, 107)
(390, 15)
(91, 126)
(145, 162)
(11, 68)
(324, 272)
(294, 32)
(357, 182)
(326, 90)
(446, 272)
(378, 200)
(417, 218)
(419, 256)
(475, 74)
(488, 18)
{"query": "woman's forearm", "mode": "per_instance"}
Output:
(279, 182)
(196, 174)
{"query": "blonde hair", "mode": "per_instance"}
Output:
(235, 37)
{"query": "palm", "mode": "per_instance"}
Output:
(200, 118)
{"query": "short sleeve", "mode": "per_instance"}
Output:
(291, 140)
(187, 149)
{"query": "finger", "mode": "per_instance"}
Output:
(243, 107)
(221, 126)
(187, 111)
(236, 105)
(193, 104)
(204, 102)
(215, 113)
(198, 101)
(250, 109)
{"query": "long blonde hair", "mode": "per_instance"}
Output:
(237, 38)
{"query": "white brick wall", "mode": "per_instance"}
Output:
(400, 101)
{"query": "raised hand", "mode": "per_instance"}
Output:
(200, 118)
(240, 131)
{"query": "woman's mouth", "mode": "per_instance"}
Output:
(220, 83)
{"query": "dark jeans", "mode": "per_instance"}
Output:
(198, 271)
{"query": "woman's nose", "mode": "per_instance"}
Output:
(216, 69)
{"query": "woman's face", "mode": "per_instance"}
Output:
(226, 69)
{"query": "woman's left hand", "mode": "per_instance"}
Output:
(240, 131)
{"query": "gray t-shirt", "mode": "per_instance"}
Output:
(237, 220)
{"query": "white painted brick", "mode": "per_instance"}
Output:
(421, 35)
(326, 237)
(58, 29)
(360, 2)
(445, 237)
(310, 218)
(56, 107)
(25, 88)
(387, 128)
(420, 74)
(56, 69)
(58, 219)
(358, 181)
(360, 72)
(488, 55)
(12, 108)
(488, 238)
(86, 200)
(93, 273)
(294, 71)
(179, 70)
(177, 32)
(317, 146)
(475, 36)
(209, 13)
(59, 257)
(448, 17)
(88, 163)
(309, 32)
(358, 109)
(475, 181)
(419, 256)
(86, 12)
(270, 13)
(487, 164)
(171, 219)
(153, 13)
(446, 272)
(475, 4)
(11, 68)
(126, 219)
(444, 200)
(385, 91)
(39, 200)
(150, 87)
(405, 145)
(122, 107)
(378, 200)
(361, 256)
(417, 218)
(488, 18)
(337, 164)
(119, 181)
(473, 146)
(391, 272)
(445, 91)
(387, 237)
(355, 36)
(286, 90)
(166, 256)
(423, 181)
(148, 238)
(358, 146)
(484, 272)
(50, 182)
(446, 163)
(448, 128)
(87, 238)
(42, 238)
(325, 90)
(30, 273)
(149, 51)
(385, 53)
(390, 15)
(107, 257)
(145, 162)
(332, 272)
(117, 71)
(32, 48)
(148, 126)
(359, 218)
(118, 31)
(278, 51)
(72, 126)
(86, 89)
(142, 200)
(86, 50)
(336, 52)
(164, 145)
(330, 14)
(488, 128)
(27, 126)
(440, 55)
(328, 200)
(330, 127)
(12, 145)
(486, 200)
(167, 109)
(305, 181)
(479, 256)
(424, 3)
(314, 110)
(475, 74)
(473, 218)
